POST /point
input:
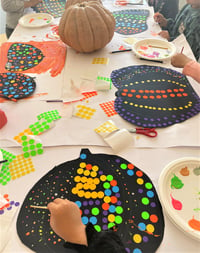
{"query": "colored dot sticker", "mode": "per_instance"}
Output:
(95, 211)
(145, 215)
(137, 238)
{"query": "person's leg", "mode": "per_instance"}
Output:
(9, 31)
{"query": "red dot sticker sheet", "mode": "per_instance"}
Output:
(151, 96)
(109, 190)
(108, 108)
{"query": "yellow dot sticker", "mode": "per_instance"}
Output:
(137, 238)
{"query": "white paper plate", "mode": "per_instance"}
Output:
(154, 49)
(35, 20)
(179, 191)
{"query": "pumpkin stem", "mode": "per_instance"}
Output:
(81, 5)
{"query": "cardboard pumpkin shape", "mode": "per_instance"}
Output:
(152, 96)
(109, 190)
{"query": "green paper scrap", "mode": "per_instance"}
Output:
(50, 115)
(31, 147)
(106, 79)
(5, 175)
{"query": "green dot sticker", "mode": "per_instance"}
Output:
(118, 219)
(119, 210)
(123, 166)
(109, 177)
(145, 201)
(95, 211)
(106, 185)
(148, 186)
(145, 215)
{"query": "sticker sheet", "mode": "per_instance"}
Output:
(109, 190)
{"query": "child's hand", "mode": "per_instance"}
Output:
(66, 221)
(160, 19)
(180, 60)
(164, 34)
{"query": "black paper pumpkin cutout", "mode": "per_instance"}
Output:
(130, 21)
(151, 96)
(22, 56)
(53, 7)
(109, 191)
(16, 85)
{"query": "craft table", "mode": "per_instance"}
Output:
(69, 135)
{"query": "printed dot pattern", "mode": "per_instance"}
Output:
(50, 115)
(20, 167)
(151, 96)
(106, 127)
(4, 201)
(25, 132)
(31, 147)
(16, 85)
(5, 175)
(9, 206)
(109, 191)
(129, 22)
(99, 60)
(105, 79)
(84, 112)
(40, 126)
(108, 108)
(23, 56)
(53, 7)
(88, 95)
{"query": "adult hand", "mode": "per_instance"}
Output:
(164, 34)
(65, 220)
(160, 19)
(180, 60)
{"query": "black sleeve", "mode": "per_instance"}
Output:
(91, 233)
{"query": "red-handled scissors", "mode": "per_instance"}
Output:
(150, 132)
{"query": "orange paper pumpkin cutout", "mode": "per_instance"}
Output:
(33, 57)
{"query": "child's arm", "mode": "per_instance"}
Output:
(66, 221)
(190, 67)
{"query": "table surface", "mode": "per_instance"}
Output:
(69, 135)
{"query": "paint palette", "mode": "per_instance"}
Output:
(179, 188)
(154, 49)
(34, 20)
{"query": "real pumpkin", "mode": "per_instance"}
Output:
(86, 26)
